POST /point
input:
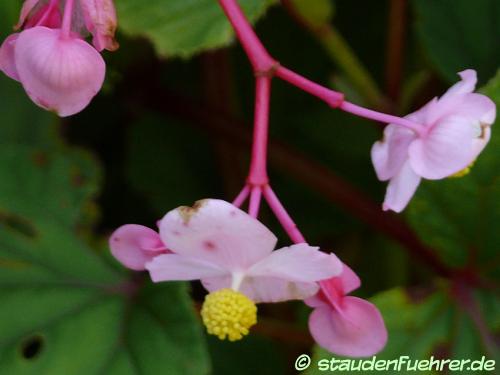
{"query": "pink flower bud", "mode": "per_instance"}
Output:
(59, 74)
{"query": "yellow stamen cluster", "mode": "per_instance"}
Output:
(228, 314)
(463, 172)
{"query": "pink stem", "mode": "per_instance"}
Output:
(255, 198)
(242, 197)
(258, 163)
(333, 98)
(68, 15)
(256, 52)
(264, 64)
(336, 100)
(381, 117)
(282, 215)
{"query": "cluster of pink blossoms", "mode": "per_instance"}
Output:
(59, 70)
(232, 254)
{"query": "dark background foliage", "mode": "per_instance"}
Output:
(172, 125)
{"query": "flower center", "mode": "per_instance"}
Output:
(228, 314)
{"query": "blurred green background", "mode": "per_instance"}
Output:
(172, 125)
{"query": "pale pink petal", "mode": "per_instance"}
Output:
(317, 300)
(390, 154)
(422, 115)
(454, 100)
(174, 267)
(217, 232)
(479, 143)
(7, 57)
(59, 74)
(401, 188)
(350, 281)
(265, 289)
(477, 107)
(299, 263)
(465, 86)
(447, 148)
(357, 330)
(134, 245)
(100, 19)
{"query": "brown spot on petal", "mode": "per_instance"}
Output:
(483, 131)
(187, 213)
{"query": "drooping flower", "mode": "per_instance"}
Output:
(232, 254)
(346, 325)
(135, 245)
(455, 129)
(59, 70)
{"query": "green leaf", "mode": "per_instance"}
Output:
(460, 34)
(9, 11)
(183, 27)
(457, 217)
(22, 121)
(64, 309)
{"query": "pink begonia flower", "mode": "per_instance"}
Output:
(346, 325)
(135, 245)
(223, 246)
(59, 70)
(456, 128)
(232, 254)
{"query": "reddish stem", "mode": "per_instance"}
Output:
(258, 164)
(242, 196)
(331, 97)
(282, 215)
(68, 15)
(255, 198)
(256, 52)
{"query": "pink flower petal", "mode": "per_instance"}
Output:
(357, 330)
(445, 150)
(47, 15)
(477, 107)
(174, 267)
(100, 19)
(265, 289)
(59, 74)
(401, 188)
(454, 100)
(299, 263)
(478, 144)
(334, 289)
(465, 86)
(217, 232)
(134, 245)
(28, 6)
(7, 57)
(350, 281)
(389, 155)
